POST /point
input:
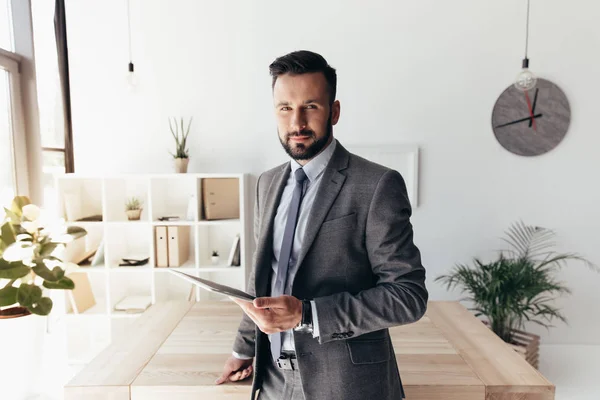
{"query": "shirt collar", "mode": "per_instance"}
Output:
(316, 166)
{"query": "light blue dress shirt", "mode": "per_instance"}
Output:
(314, 171)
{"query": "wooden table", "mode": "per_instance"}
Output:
(176, 351)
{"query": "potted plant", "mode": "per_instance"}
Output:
(215, 257)
(133, 208)
(28, 266)
(518, 287)
(180, 135)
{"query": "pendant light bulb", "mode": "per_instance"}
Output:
(526, 80)
(131, 78)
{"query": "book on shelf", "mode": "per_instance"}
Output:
(133, 304)
(234, 253)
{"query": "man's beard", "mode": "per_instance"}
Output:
(306, 152)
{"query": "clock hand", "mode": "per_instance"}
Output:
(534, 103)
(532, 120)
(519, 120)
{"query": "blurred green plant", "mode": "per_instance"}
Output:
(133, 203)
(520, 286)
(180, 135)
(27, 259)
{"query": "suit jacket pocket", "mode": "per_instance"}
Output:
(345, 222)
(369, 351)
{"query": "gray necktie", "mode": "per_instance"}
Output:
(286, 252)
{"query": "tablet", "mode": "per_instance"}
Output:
(213, 286)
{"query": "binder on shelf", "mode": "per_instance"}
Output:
(161, 246)
(179, 245)
(221, 198)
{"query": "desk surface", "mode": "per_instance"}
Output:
(177, 349)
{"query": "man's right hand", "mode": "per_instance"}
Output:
(235, 370)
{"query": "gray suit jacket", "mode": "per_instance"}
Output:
(359, 264)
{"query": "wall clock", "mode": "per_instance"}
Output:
(531, 122)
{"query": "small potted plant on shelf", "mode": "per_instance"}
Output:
(180, 135)
(134, 208)
(215, 257)
(518, 287)
(28, 266)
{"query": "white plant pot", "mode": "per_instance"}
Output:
(181, 165)
(215, 260)
(22, 341)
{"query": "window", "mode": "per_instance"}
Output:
(13, 162)
(52, 129)
(6, 41)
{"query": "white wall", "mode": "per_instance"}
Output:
(427, 72)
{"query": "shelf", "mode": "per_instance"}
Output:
(127, 222)
(99, 310)
(218, 269)
(125, 314)
(93, 270)
(218, 222)
(173, 223)
(130, 269)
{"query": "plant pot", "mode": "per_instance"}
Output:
(134, 215)
(215, 260)
(14, 312)
(526, 344)
(181, 165)
(23, 347)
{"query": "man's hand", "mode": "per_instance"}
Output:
(273, 314)
(235, 370)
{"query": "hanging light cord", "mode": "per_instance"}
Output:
(527, 31)
(129, 31)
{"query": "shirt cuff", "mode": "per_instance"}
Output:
(315, 319)
(241, 356)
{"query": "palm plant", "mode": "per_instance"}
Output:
(180, 135)
(520, 286)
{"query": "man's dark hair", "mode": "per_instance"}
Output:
(303, 62)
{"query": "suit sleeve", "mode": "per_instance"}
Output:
(245, 339)
(399, 296)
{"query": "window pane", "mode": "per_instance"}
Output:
(6, 42)
(48, 79)
(7, 169)
(53, 164)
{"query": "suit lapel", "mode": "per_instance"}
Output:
(265, 241)
(329, 188)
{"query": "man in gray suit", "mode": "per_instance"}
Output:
(335, 264)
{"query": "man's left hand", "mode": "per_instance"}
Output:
(273, 314)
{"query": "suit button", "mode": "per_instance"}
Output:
(350, 334)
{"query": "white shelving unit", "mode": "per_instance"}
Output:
(162, 195)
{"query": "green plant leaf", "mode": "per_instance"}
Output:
(43, 306)
(48, 248)
(58, 272)
(18, 203)
(44, 272)
(8, 296)
(64, 283)
(76, 232)
(12, 270)
(14, 218)
(28, 295)
(8, 234)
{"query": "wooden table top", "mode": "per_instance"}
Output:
(177, 350)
